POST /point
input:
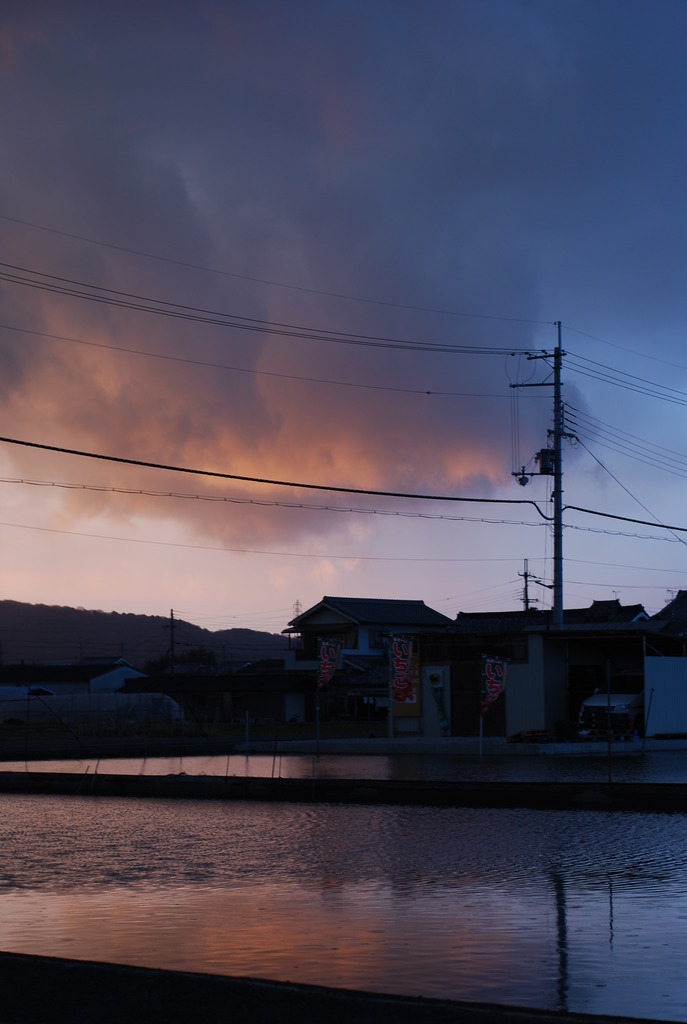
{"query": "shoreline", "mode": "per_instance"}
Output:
(36, 989)
(37, 748)
(566, 796)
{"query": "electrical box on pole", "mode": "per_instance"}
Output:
(545, 458)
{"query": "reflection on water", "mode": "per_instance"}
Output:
(583, 911)
(655, 766)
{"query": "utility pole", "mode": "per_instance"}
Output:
(557, 486)
(525, 592)
(551, 464)
(171, 640)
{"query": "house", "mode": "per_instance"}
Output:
(90, 675)
(665, 671)
(89, 695)
(606, 646)
(363, 630)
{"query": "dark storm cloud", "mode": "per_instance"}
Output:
(509, 159)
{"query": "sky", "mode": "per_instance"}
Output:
(280, 265)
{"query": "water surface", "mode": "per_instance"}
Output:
(584, 911)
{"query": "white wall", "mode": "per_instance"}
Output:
(665, 695)
(294, 706)
(525, 701)
(436, 679)
(110, 681)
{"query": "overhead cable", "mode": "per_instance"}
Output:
(270, 482)
(180, 311)
(272, 284)
(429, 392)
(326, 487)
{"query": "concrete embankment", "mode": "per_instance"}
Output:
(665, 797)
(18, 747)
(43, 990)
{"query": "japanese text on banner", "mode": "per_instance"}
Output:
(329, 651)
(401, 685)
(493, 681)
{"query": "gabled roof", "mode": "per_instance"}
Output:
(605, 611)
(105, 663)
(675, 610)
(381, 612)
(497, 622)
(605, 615)
(80, 672)
(672, 620)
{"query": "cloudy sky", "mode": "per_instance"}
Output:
(263, 245)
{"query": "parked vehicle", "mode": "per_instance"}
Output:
(623, 713)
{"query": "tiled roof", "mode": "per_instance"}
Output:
(602, 614)
(31, 675)
(675, 610)
(499, 622)
(378, 611)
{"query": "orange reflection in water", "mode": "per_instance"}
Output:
(345, 936)
(582, 911)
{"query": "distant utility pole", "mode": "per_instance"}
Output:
(551, 464)
(525, 591)
(535, 579)
(171, 640)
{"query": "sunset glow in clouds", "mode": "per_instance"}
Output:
(257, 239)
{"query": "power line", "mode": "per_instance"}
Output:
(625, 519)
(328, 487)
(625, 348)
(616, 565)
(429, 392)
(259, 502)
(274, 483)
(626, 381)
(627, 491)
(273, 284)
(594, 421)
(624, 442)
(245, 551)
(643, 458)
(620, 533)
(180, 311)
(309, 507)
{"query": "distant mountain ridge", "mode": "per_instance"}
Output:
(38, 633)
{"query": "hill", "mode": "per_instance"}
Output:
(37, 633)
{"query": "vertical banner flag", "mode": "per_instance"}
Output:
(329, 655)
(401, 685)
(493, 681)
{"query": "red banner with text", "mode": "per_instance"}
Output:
(329, 650)
(493, 681)
(402, 689)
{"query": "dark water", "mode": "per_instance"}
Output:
(585, 911)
